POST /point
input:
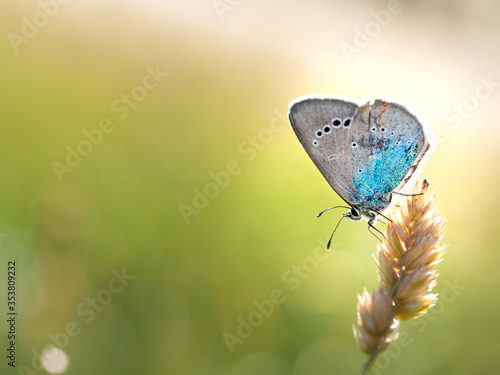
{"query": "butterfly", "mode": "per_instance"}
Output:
(367, 150)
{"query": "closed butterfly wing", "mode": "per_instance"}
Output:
(388, 143)
(322, 124)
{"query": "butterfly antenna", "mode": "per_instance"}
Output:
(329, 208)
(330, 240)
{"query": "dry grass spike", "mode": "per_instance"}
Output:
(406, 263)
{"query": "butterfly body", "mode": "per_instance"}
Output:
(366, 150)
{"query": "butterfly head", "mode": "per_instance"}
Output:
(359, 212)
(354, 214)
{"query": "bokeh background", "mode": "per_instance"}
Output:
(197, 269)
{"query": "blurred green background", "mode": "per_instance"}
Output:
(182, 90)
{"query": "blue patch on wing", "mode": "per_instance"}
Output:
(386, 169)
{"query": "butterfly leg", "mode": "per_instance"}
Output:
(371, 226)
(372, 220)
(407, 195)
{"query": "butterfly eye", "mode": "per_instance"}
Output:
(327, 129)
(347, 122)
(354, 212)
(336, 122)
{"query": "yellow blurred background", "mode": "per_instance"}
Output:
(161, 211)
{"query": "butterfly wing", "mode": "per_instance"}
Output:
(388, 143)
(322, 124)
